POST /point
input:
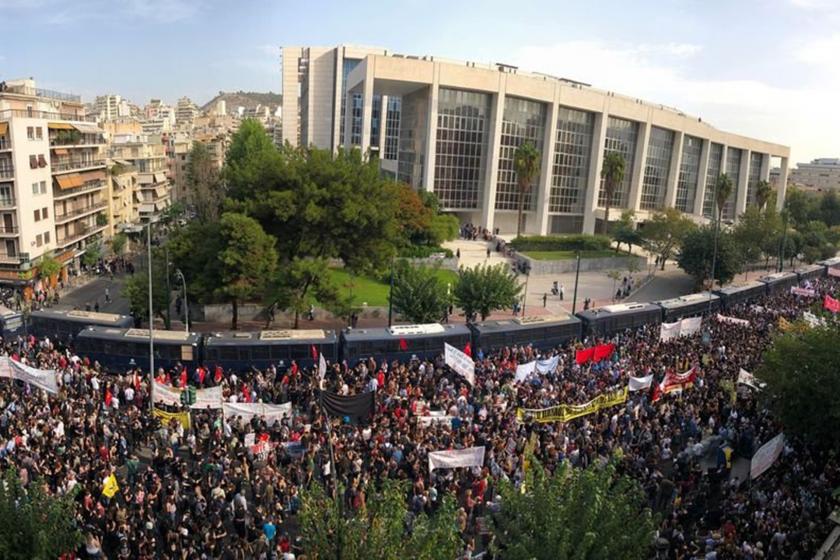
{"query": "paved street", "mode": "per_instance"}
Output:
(94, 291)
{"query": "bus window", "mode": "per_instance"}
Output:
(187, 352)
(259, 352)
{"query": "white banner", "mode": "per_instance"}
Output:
(640, 383)
(802, 291)
(435, 417)
(208, 398)
(748, 379)
(460, 362)
(322, 370)
(766, 456)
(732, 320)
(456, 458)
(165, 394)
(812, 320)
(669, 330)
(549, 365)
(6, 368)
(524, 370)
(41, 378)
(690, 326)
(271, 412)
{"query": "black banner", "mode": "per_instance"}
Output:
(357, 407)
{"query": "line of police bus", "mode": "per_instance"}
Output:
(117, 345)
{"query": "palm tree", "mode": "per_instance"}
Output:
(526, 162)
(763, 190)
(612, 173)
(723, 190)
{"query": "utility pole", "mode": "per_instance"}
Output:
(525, 295)
(180, 275)
(391, 296)
(577, 277)
(151, 320)
(784, 240)
(168, 290)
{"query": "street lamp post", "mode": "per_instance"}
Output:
(391, 296)
(180, 275)
(151, 319)
(577, 276)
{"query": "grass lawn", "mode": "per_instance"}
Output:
(372, 291)
(566, 255)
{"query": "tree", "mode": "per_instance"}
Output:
(48, 268)
(483, 289)
(695, 255)
(204, 192)
(829, 208)
(526, 163)
(625, 231)
(252, 162)
(118, 243)
(194, 249)
(413, 217)
(586, 514)
(664, 233)
(35, 525)
(305, 282)
(613, 174)
(795, 365)
(723, 190)
(383, 529)
(754, 227)
(800, 205)
(614, 275)
(248, 260)
(443, 227)
(136, 288)
(763, 190)
(92, 254)
(418, 294)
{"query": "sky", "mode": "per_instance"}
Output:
(762, 68)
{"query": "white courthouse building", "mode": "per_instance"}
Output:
(452, 128)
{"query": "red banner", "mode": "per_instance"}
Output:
(583, 356)
(603, 352)
(675, 382)
(831, 304)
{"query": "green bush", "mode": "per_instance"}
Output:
(423, 251)
(577, 242)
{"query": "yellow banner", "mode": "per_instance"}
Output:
(165, 417)
(566, 412)
(110, 487)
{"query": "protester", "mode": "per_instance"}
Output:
(229, 487)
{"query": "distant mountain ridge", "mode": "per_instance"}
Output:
(247, 99)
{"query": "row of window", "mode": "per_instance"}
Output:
(34, 132)
(39, 187)
(41, 214)
(42, 239)
(36, 161)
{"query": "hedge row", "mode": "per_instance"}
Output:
(577, 242)
(423, 251)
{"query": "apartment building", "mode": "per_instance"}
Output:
(821, 174)
(147, 154)
(110, 107)
(185, 112)
(123, 195)
(53, 180)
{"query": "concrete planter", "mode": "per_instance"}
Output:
(223, 313)
(443, 262)
(568, 265)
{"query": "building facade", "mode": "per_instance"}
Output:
(53, 178)
(146, 154)
(822, 174)
(453, 127)
(124, 196)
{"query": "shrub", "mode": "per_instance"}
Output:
(577, 242)
(423, 251)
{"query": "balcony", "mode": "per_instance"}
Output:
(9, 113)
(9, 259)
(5, 144)
(7, 202)
(64, 195)
(45, 93)
(9, 230)
(60, 219)
(75, 165)
(7, 172)
(79, 235)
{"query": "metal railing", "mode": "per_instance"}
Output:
(79, 212)
(85, 140)
(4, 143)
(46, 93)
(80, 235)
(75, 191)
(76, 164)
(8, 229)
(7, 202)
(8, 113)
(7, 172)
(9, 259)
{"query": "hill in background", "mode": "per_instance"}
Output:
(247, 99)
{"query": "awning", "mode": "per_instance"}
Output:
(160, 177)
(93, 176)
(147, 208)
(3, 128)
(66, 181)
(160, 192)
(60, 151)
(59, 126)
(88, 128)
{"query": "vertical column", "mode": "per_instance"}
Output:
(348, 121)
(674, 171)
(544, 192)
(764, 175)
(431, 133)
(596, 164)
(339, 95)
(639, 160)
(743, 183)
(367, 106)
(702, 176)
(491, 173)
(383, 124)
(783, 178)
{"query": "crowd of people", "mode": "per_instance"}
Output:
(206, 492)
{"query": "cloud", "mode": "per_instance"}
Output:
(163, 11)
(793, 115)
(814, 4)
(820, 52)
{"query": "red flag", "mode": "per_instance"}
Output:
(218, 375)
(183, 381)
(831, 304)
(403, 345)
(294, 367)
(583, 356)
(201, 375)
(603, 352)
(108, 397)
(314, 352)
(468, 350)
(657, 393)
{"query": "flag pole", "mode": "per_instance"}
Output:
(333, 474)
